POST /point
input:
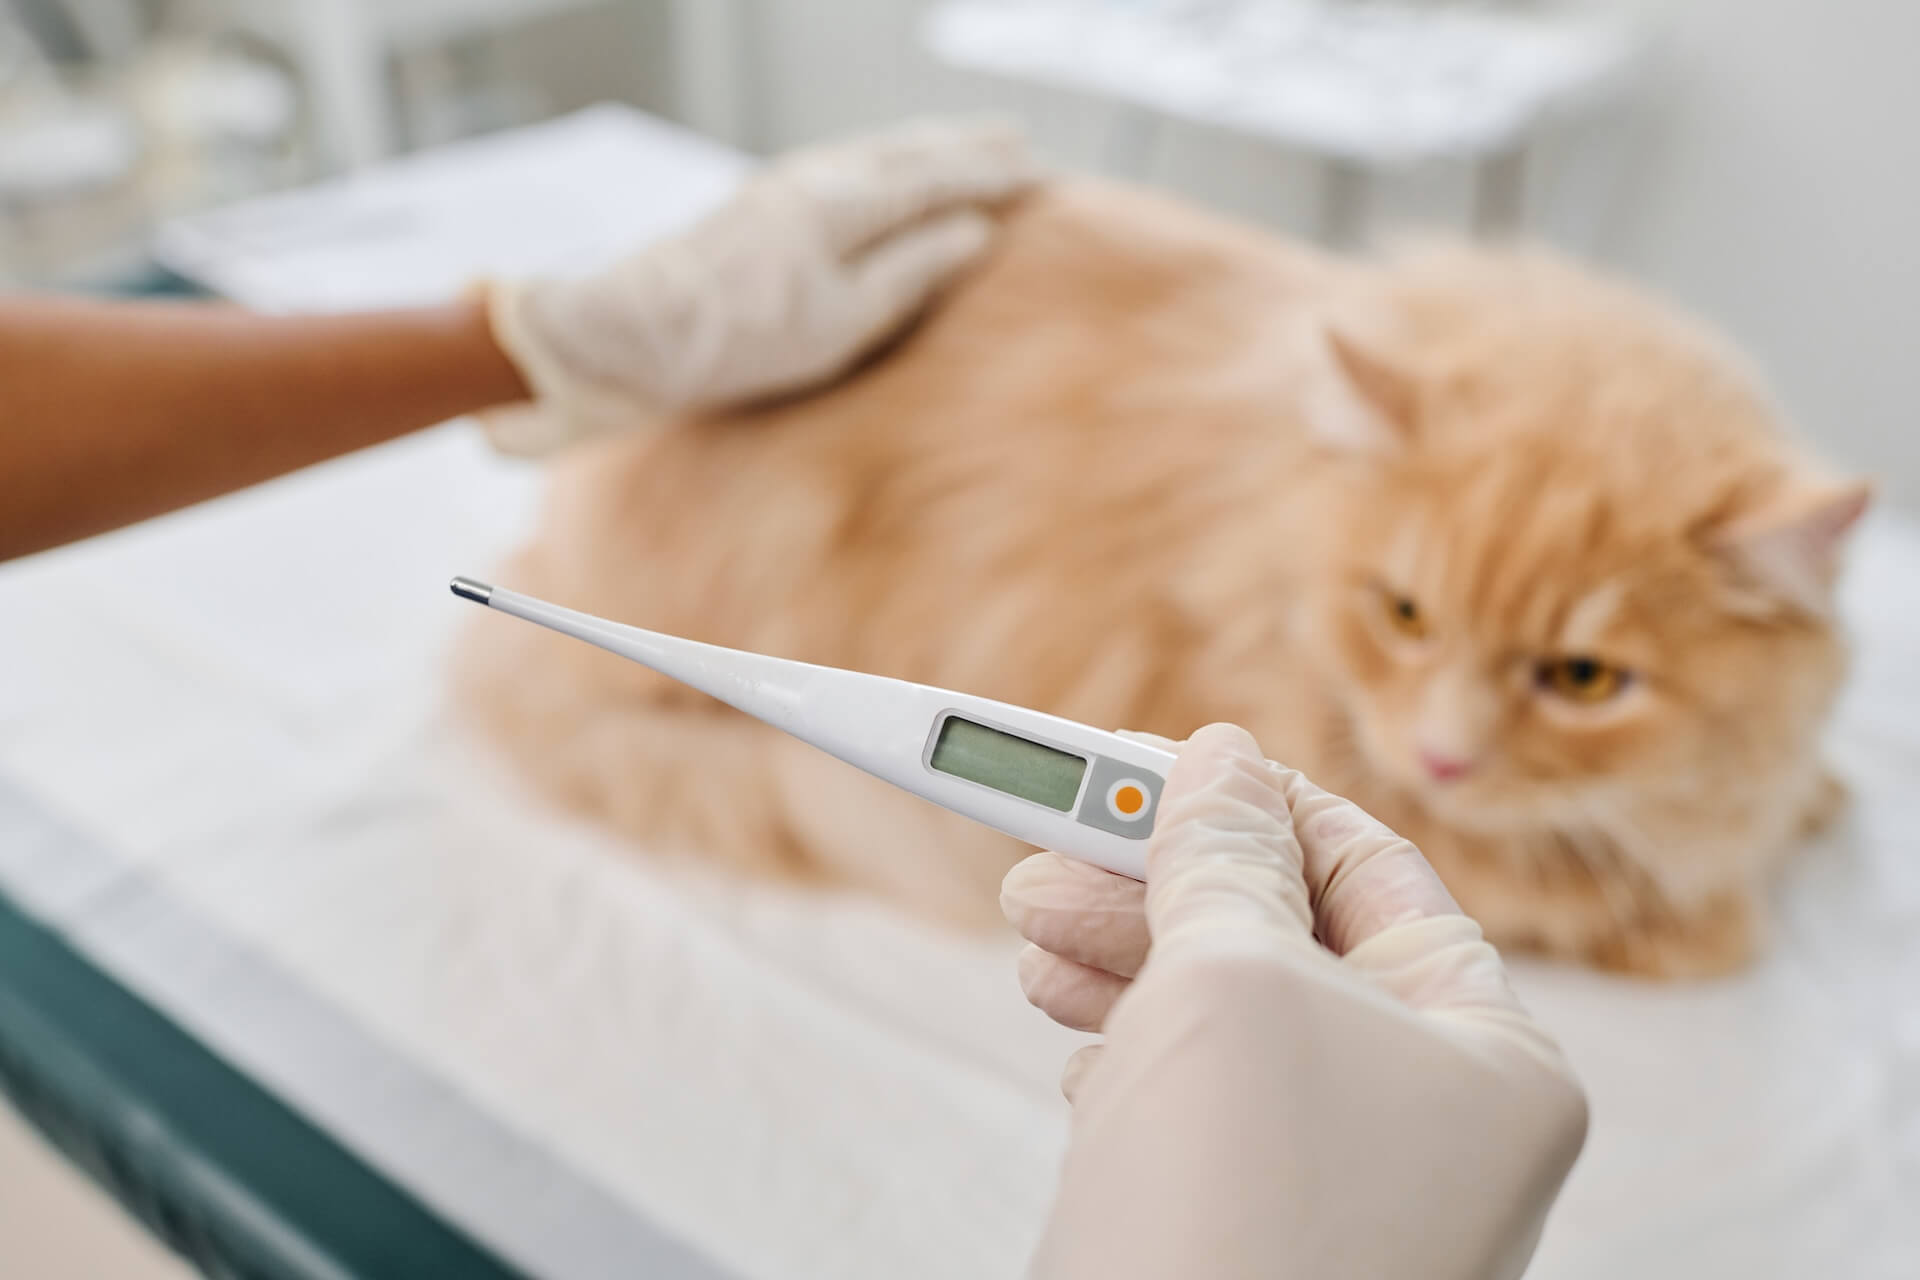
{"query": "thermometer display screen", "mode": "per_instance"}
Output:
(1008, 763)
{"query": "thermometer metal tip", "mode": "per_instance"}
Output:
(468, 589)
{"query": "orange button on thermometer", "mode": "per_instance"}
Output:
(1054, 783)
(1128, 800)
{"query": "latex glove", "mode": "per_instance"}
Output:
(809, 267)
(1319, 1070)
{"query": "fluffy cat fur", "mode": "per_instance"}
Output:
(1148, 468)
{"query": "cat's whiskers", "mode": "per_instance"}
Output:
(1677, 880)
(1601, 857)
(1634, 854)
(1343, 755)
(1631, 844)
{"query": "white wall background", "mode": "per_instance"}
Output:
(1768, 180)
(1776, 190)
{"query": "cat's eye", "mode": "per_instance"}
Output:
(1404, 616)
(1581, 679)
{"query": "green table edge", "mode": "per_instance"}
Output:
(215, 1166)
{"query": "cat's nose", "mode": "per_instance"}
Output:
(1442, 767)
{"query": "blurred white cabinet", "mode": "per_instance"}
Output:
(342, 49)
(1367, 88)
(713, 43)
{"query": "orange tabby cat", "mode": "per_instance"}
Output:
(1513, 557)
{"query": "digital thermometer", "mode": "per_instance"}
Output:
(1084, 792)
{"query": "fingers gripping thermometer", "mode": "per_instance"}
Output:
(1084, 792)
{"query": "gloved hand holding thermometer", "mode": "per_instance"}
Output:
(1313, 1063)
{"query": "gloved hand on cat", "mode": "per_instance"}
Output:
(1317, 1068)
(808, 268)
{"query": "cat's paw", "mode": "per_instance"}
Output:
(1721, 938)
(1825, 805)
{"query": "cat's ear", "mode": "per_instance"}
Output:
(1368, 402)
(1789, 548)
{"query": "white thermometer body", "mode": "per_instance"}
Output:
(1055, 783)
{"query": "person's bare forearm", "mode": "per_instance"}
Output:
(113, 412)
